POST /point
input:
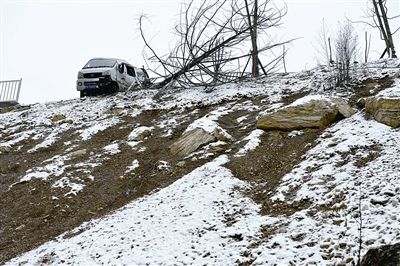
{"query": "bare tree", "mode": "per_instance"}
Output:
(255, 71)
(367, 46)
(377, 13)
(211, 38)
(346, 45)
(324, 49)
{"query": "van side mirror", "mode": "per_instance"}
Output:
(121, 68)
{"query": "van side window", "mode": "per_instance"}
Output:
(130, 71)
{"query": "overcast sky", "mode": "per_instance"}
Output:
(47, 42)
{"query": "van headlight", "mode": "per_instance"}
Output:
(106, 73)
(80, 75)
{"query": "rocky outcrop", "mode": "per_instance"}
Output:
(140, 133)
(191, 141)
(385, 110)
(386, 255)
(310, 112)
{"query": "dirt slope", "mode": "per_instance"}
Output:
(65, 163)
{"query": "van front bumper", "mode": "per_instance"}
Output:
(93, 83)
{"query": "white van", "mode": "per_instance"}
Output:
(109, 75)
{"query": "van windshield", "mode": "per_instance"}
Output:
(96, 63)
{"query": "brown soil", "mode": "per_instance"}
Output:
(264, 167)
(370, 87)
(15, 163)
(15, 108)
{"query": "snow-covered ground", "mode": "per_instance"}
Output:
(187, 222)
(203, 218)
(181, 224)
(355, 169)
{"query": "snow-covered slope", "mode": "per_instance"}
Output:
(195, 210)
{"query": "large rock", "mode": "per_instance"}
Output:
(191, 141)
(385, 255)
(384, 109)
(310, 112)
(140, 133)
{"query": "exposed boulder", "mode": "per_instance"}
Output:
(385, 110)
(57, 118)
(140, 133)
(386, 255)
(308, 112)
(342, 106)
(78, 153)
(191, 141)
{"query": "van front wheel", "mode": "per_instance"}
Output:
(114, 88)
(82, 93)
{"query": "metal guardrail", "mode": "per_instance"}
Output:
(9, 90)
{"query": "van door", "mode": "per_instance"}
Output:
(131, 77)
(121, 76)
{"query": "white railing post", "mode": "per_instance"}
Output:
(19, 89)
(10, 90)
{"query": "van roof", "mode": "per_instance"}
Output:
(116, 59)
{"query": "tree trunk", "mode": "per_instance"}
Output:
(381, 27)
(387, 28)
(255, 72)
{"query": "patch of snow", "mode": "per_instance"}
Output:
(205, 151)
(50, 140)
(66, 182)
(253, 140)
(35, 175)
(241, 119)
(209, 122)
(295, 133)
(52, 137)
(112, 149)
(163, 165)
(393, 92)
(97, 127)
(310, 98)
(141, 149)
(53, 166)
(133, 166)
(17, 138)
(133, 144)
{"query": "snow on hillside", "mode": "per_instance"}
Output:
(355, 170)
(179, 224)
(352, 170)
(183, 223)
